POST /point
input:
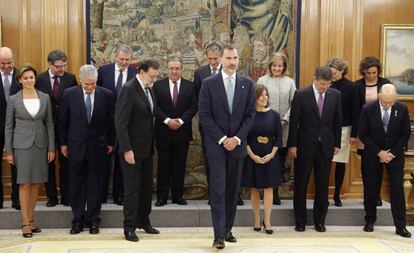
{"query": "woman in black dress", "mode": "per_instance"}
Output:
(262, 166)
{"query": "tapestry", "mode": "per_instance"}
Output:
(161, 29)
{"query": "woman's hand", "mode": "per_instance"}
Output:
(267, 158)
(10, 159)
(51, 156)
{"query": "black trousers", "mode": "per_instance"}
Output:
(113, 168)
(85, 190)
(203, 148)
(137, 192)
(372, 170)
(303, 169)
(50, 186)
(171, 170)
(225, 175)
(380, 174)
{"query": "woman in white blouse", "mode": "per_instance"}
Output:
(29, 142)
(281, 90)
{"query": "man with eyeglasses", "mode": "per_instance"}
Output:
(8, 87)
(53, 82)
(113, 76)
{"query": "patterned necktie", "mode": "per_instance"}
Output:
(230, 92)
(147, 93)
(213, 72)
(320, 104)
(6, 86)
(88, 107)
(119, 82)
(56, 88)
(175, 94)
(386, 119)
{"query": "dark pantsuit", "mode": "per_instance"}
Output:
(171, 170)
(377, 179)
(117, 180)
(303, 171)
(50, 186)
(225, 175)
(85, 187)
(138, 193)
(395, 175)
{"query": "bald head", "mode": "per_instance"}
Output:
(387, 95)
(6, 60)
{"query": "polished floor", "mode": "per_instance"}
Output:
(337, 239)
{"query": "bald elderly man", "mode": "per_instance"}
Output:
(384, 128)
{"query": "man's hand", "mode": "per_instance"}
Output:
(230, 143)
(174, 124)
(109, 149)
(129, 157)
(385, 156)
(64, 150)
(293, 152)
(336, 150)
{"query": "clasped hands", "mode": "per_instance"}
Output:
(174, 124)
(230, 143)
(262, 160)
(386, 156)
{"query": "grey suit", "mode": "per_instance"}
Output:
(29, 138)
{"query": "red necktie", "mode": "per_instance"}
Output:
(175, 94)
(56, 88)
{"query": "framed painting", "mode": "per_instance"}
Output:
(397, 54)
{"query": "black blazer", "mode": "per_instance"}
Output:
(359, 100)
(134, 120)
(43, 84)
(75, 131)
(200, 74)
(306, 126)
(372, 133)
(106, 76)
(185, 110)
(14, 88)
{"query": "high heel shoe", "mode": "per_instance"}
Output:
(26, 235)
(268, 231)
(36, 229)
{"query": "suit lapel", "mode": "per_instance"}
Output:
(238, 90)
(167, 91)
(82, 102)
(312, 101)
(42, 105)
(20, 103)
(143, 96)
(378, 116)
(222, 91)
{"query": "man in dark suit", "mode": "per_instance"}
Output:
(226, 108)
(8, 87)
(53, 82)
(113, 76)
(86, 135)
(176, 106)
(135, 133)
(314, 137)
(384, 128)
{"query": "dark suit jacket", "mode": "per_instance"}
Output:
(199, 75)
(215, 117)
(106, 76)
(306, 126)
(134, 120)
(186, 109)
(372, 133)
(14, 88)
(43, 84)
(74, 129)
(359, 100)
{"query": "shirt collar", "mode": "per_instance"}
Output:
(3, 74)
(117, 68)
(178, 81)
(316, 91)
(225, 75)
(218, 67)
(92, 93)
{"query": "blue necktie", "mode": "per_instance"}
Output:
(230, 93)
(119, 82)
(88, 106)
(7, 86)
(386, 119)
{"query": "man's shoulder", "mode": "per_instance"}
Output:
(104, 90)
(186, 82)
(203, 68)
(106, 68)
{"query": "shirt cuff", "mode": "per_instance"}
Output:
(222, 139)
(181, 121)
(166, 121)
(238, 140)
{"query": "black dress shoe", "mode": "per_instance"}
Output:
(277, 201)
(300, 228)
(379, 202)
(218, 243)
(131, 236)
(208, 202)
(51, 203)
(75, 230)
(240, 202)
(1, 205)
(150, 230)
(337, 201)
(160, 203)
(403, 232)
(320, 228)
(15, 205)
(119, 201)
(229, 237)
(94, 229)
(369, 227)
(182, 202)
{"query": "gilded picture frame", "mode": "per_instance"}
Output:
(397, 54)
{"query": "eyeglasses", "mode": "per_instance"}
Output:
(60, 66)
